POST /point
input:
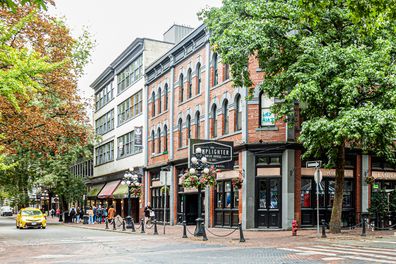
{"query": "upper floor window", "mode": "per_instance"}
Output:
(104, 96)
(199, 78)
(166, 97)
(153, 104)
(152, 142)
(165, 138)
(104, 153)
(126, 145)
(188, 126)
(225, 117)
(267, 118)
(215, 70)
(214, 121)
(180, 128)
(181, 82)
(130, 74)
(189, 79)
(130, 108)
(105, 123)
(197, 125)
(159, 101)
(226, 72)
(238, 113)
(159, 140)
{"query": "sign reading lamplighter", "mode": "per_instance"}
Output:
(218, 153)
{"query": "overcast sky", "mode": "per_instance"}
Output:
(114, 24)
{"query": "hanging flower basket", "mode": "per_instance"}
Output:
(190, 180)
(370, 179)
(136, 190)
(237, 183)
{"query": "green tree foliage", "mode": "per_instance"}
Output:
(334, 58)
(13, 4)
(379, 204)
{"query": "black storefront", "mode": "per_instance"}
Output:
(226, 204)
(158, 198)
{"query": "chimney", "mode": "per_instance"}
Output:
(176, 33)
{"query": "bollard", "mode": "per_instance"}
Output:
(133, 225)
(323, 228)
(142, 226)
(184, 229)
(114, 225)
(107, 223)
(363, 227)
(123, 225)
(241, 237)
(155, 227)
(204, 237)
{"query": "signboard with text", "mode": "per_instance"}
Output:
(218, 153)
(138, 136)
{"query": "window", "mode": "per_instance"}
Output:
(197, 125)
(266, 117)
(130, 108)
(238, 113)
(226, 72)
(104, 96)
(105, 123)
(180, 128)
(159, 101)
(188, 126)
(165, 138)
(214, 121)
(215, 70)
(189, 79)
(166, 97)
(159, 140)
(153, 104)
(181, 81)
(104, 153)
(130, 74)
(199, 78)
(225, 117)
(126, 145)
(227, 204)
(152, 142)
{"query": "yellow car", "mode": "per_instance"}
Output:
(31, 217)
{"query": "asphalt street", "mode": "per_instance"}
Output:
(63, 244)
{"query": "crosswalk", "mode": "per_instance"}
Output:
(338, 252)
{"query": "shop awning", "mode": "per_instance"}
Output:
(121, 192)
(94, 190)
(108, 190)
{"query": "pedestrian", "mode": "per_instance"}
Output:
(100, 214)
(81, 214)
(58, 212)
(78, 212)
(72, 214)
(52, 213)
(148, 211)
(94, 213)
(90, 215)
(104, 213)
(111, 213)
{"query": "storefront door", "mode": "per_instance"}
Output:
(268, 202)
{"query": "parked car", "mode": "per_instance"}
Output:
(31, 217)
(6, 211)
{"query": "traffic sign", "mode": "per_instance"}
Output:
(318, 176)
(314, 164)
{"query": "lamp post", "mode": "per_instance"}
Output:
(130, 179)
(199, 164)
(45, 196)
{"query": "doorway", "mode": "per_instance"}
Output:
(268, 202)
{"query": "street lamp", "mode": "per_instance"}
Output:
(44, 197)
(131, 180)
(199, 164)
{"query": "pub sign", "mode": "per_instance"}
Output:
(218, 153)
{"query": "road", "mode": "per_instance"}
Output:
(64, 244)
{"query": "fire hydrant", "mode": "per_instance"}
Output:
(294, 227)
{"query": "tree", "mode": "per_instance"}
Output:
(13, 4)
(334, 58)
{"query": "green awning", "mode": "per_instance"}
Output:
(121, 192)
(94, 190)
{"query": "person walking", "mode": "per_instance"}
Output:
(58, 212)
(72, 214)
(104, 213)
(52, 213)
(100, 214)
(148, 211)
(78, 212)
(94, 213)
(111, 213)
(90, 215)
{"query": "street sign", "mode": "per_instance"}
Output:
(314, 164)
(318, 176)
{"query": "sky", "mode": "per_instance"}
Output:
(114, 24)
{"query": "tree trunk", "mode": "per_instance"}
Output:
(335, 222)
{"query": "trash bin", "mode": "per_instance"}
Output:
(85, 217)
(66, 217)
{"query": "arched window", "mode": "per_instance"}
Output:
(165, 138)
(188, 126)
(199, 78)
(267, 118)
(159, 140)
(181, 82)
(214, 121)
(189, 79)
(238, 113)
(180, 128)
(225, 118)
(197, 125)
(159, 101)
(153, 104)
(166, 97)
(152, 142)
(215, 70)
